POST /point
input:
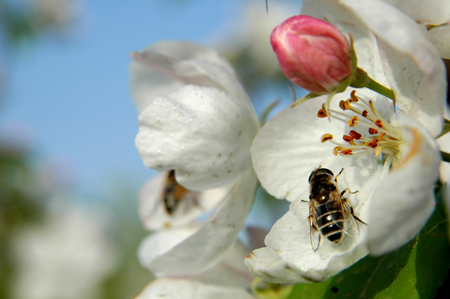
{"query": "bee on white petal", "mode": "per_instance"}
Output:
(329, 210)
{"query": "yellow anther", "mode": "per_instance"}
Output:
(326, 137)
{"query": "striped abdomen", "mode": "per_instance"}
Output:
(330, 220)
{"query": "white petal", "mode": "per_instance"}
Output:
(230, 271)
(168, 65)
(289, 256)
(288, 148)
(160, 242)
(404, 200)
(413, 65)
(188, 289)
(426, 12)
(203, 133)
(267, 264)
(209, 243)
(440, 37)
(154, 215)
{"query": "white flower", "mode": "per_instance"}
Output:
(157, 213)
(66, 257)
(411, 64)
(197, 120)
(182, 289)
(434, 16)
(154, 253)
(395, 204)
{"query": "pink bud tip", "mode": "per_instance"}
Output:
(312, 53)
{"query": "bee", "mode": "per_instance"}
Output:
(329, 210)
(174, 194)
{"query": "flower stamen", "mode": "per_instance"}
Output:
(384, 138)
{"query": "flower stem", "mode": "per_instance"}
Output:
(445, 156)
(361, 79)
(267, 110)
(377, 87)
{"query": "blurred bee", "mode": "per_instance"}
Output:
(174, 194)
(328, 209)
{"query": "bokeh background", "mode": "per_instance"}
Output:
(69, 170)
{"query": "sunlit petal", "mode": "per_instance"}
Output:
(168, 65)
(188, 289)
(404, 200)
(288, 148)
(413, 65)
(202, 133)
(289, 256)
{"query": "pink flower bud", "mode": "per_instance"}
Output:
(313, 54)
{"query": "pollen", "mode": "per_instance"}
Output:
(373, 131)
(383, 139)
(347, 152)
(344, 105)
(355, 134)
(347, 138)
(322, 113)
(326, 137)
(354, 120)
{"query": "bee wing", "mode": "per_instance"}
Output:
(337, 199)
(349, 214)
(313, 227)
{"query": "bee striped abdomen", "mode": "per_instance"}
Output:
(330, 221)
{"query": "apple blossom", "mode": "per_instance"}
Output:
(412, 65)
(313, 54)
(364, 131)
(196, 120)
(298, 136)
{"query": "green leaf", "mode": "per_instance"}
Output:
(416, 270)
(266, 290)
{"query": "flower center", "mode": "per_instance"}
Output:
(382, 137)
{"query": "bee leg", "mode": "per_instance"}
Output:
(350, 191)
(340, 172)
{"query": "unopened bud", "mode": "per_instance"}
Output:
(313, 54)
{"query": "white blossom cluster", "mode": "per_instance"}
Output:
(197, 120)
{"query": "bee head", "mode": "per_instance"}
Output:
(320, 171)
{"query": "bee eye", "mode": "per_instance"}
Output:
(309, 179)
(326, 170)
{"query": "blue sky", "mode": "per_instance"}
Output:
(73, 93)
